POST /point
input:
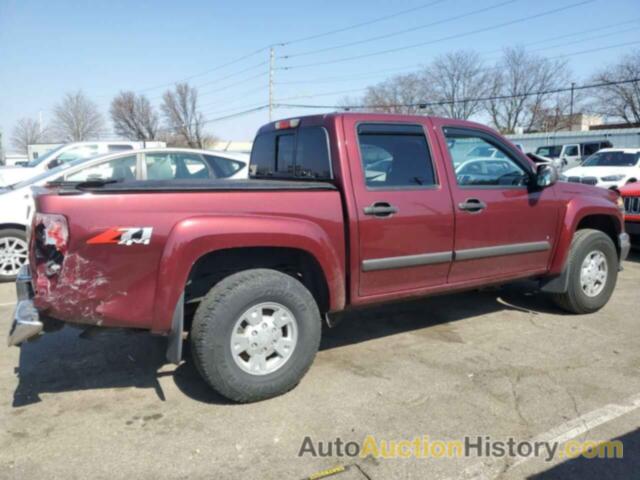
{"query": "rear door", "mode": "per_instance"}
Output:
(404, 210)
(503, 227)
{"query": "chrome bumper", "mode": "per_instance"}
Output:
(26, 321)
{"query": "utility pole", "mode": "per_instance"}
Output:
(272, 58)
(40, 127)
(573, 86)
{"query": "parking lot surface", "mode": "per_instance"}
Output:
(500, 363)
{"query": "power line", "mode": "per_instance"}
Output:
(573, 34)
(206, 72)
(290, 42)
(359, 25)
(464, 100)
(594, 50)
(217, 119)
(442, 39)
(414, 67)
(231, 85)
(400, 32)
(224, 104)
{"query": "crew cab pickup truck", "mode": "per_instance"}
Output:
(341, 211)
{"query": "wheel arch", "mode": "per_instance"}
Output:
(602, 219)
(198, 247)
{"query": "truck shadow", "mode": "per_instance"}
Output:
(634, 255)
(62, 362)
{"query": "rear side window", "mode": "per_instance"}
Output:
(395, 155)
(293, 153)
(224, 167)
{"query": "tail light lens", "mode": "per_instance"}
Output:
(51, 239)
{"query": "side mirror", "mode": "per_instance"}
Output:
(546, 175)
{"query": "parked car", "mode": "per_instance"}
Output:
(609, 168)
(631, 195)
(16, 202)
(571, 154)
(65, 154)
(250, 268)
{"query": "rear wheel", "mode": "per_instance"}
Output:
(593, 271)
(13, 253)
(255, 335)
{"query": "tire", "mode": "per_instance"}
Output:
(218, 317)
(16, 241)
(575, 299)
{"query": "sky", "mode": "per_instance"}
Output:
(48, 48)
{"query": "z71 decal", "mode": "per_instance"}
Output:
(123, 236)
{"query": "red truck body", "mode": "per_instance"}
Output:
(138, 286)
(343, 210)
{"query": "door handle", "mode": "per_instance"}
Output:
(472, 205)
(380, 209)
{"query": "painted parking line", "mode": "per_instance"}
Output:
(491, 469)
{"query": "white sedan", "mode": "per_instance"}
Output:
(610, 167)
(16, 202)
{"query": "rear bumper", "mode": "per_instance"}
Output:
(26, 320)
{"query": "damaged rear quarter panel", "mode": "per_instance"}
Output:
(124, 285)
(106, 284)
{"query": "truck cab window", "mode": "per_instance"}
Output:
(284, 153)
(473, 168)
(395, 155)
(296, 153)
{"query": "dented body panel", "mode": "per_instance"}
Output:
(137, 285)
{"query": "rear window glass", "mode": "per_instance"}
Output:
(395, 155)
(294, 153)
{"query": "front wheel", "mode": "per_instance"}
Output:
(13, 253)
(592, 267)
(255, 335)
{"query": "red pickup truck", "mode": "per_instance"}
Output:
(341, 211)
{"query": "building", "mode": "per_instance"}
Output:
(619, 137)
(36, 150)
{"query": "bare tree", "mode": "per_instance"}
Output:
(26, 132)
(134, 117)
(521, 81)
(76, 118)
(182, 116)
(456, 81)
(401, 94)
(622, 101)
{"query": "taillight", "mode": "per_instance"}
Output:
(51, 239)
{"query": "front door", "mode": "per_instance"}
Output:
(571, 156)
(503, 227)
(405, 217)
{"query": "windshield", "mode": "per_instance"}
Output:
(53, 173)
(612, 159)
(37, 161)
(550, 151)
